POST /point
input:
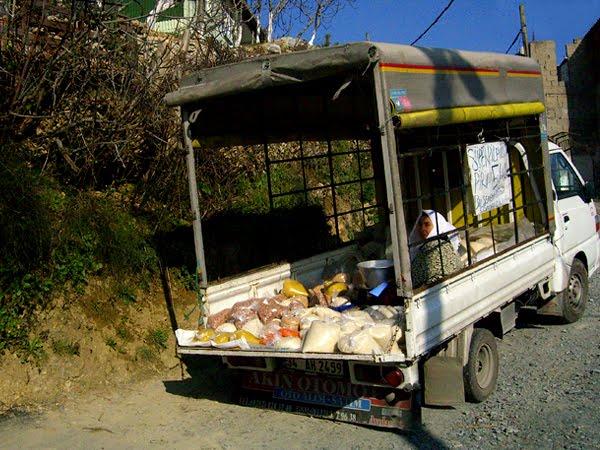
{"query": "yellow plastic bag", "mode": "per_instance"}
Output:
(293, 287)
(249, 337)
(222, 337)
(204, 335)
(333, 289)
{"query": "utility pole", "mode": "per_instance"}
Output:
(524, 30)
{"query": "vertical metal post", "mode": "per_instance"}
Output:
(393, 188)
(357, 155)
(513, 195)
(333, 185)
(193, 188)
(492, 228)
(301, 149)
(432, 199)
(268, 169)
(463, 191)
(524, 30)
(331, 170)
(303, 164)
(419, 191)
(447, 188)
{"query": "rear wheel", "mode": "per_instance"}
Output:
(481, 372)
(574, 298)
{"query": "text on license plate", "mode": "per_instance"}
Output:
(316, 365)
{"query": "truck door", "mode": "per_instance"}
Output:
(575, 212)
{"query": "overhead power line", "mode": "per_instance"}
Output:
(432, 23)
(513, 42)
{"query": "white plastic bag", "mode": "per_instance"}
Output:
(289, 343)
(322, 337)
(360, 342)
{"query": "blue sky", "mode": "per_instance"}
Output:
(484, 25)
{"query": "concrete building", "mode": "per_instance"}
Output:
(572, 90)
(228, 21)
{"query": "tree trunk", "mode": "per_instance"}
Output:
(270, 27)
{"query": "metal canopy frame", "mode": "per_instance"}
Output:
(371, 89)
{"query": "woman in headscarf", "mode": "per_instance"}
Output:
(433, 248)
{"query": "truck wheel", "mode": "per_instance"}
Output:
(574, 298)
(481, 372)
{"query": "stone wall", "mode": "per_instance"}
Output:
(555, 91)
(573, 99)
(584, 102)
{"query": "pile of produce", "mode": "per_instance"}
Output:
(317, 320)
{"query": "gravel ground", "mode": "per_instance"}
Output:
(548, 396)
(548, 393)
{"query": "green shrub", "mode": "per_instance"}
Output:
(157, 338)
(100, 235)
(114, 345)
(125, 294)
(145, 353)
(13, 329)
(20, 296)
(25, 216)
(123, 333)
(182, 276)
(80, 160)
(111, 343)
(32, 350)
(92, 236)
(64, 347)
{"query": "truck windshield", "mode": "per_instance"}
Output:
(566, 182)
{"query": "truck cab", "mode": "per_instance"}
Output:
(576, 236)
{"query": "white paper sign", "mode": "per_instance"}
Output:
(488, 169)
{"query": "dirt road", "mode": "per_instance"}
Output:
(548, 396)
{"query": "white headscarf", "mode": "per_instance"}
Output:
(440, 226)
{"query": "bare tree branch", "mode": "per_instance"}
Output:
(282, 16)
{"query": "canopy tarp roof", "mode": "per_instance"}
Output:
(415, 79)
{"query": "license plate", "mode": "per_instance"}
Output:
(316, 366)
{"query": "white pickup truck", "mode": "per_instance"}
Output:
(371, 134)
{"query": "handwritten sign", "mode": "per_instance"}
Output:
(488, 170)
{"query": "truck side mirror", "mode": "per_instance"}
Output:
(589, 191)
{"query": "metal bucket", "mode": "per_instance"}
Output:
(376, 271)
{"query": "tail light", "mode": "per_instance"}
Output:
(597, 223)
(394, 377)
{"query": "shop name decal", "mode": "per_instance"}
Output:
(335, 401)
(489, 173)
(267, 381)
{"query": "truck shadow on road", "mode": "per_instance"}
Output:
(208, 378)
(205, 378)
(529, 319)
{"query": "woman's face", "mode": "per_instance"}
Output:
(425, 226)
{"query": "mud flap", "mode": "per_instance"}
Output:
(551, 308)
(508, 317)
(330, 398)
(444, 381)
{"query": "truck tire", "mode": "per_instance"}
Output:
(481, 372)
(574, 298)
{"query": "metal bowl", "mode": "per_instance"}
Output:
(376, 271)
